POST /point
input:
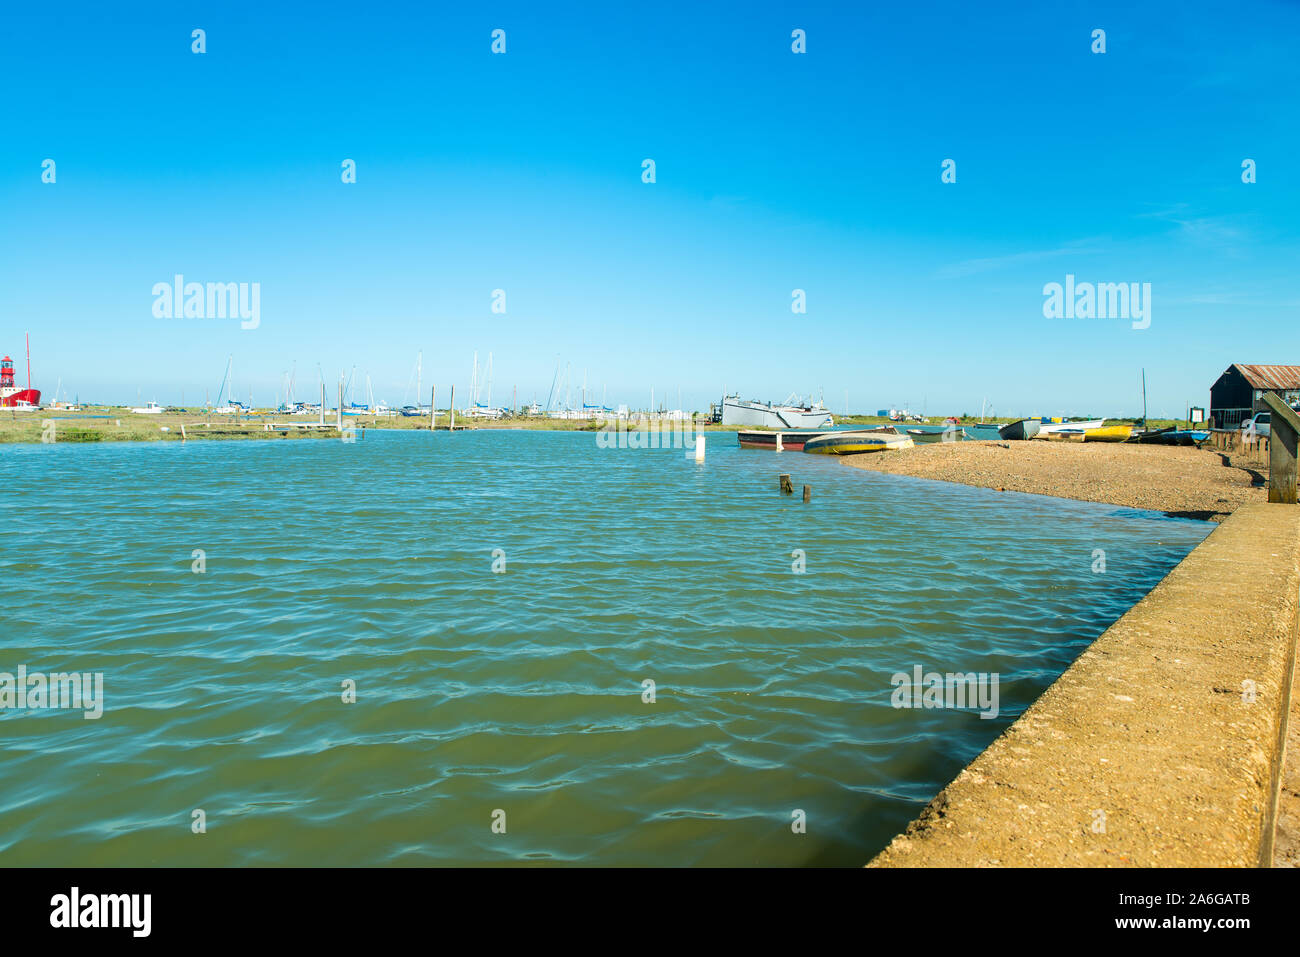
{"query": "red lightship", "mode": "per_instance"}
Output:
(12, 397)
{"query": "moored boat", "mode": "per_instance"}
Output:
(12, 397)
(930, 436)
(1151, 436)
(792, 441)
(770, 415)
(1024, 429)
(1172, 436)
(855, 443)
(1108, 433)
(1047, 430)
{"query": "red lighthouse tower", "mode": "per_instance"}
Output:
(10, 395)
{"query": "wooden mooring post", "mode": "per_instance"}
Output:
(1284, 427)
(807, 493)
(786, 487)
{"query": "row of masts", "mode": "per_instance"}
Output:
(559, 401)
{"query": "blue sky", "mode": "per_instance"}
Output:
(775, 171)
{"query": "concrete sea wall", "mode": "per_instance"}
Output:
(1162, 745)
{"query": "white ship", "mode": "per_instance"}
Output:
(790, 414)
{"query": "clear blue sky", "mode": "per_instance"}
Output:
(775, 171)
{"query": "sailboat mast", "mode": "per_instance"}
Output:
(226, 379)
(554, 381)
(1144, 398)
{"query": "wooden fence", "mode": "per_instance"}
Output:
(1243, 448)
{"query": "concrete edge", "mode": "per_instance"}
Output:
(1148, 750)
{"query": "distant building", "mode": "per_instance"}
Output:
(1239, 392)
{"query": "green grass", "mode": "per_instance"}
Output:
(115, 424)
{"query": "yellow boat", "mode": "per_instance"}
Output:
(1109, 433)
(854, 443)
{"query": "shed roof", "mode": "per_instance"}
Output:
(1270, 377)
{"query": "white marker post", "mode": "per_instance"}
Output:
(699, 450)
(779, 446)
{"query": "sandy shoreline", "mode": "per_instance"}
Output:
(1182, 481)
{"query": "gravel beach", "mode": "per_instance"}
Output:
(1177, 480)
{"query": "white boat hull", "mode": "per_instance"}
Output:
(765, 416)
(1048, 428)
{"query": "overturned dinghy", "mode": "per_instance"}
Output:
(855, 443)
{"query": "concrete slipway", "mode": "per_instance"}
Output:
(1163, 745)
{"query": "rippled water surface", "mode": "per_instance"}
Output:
(519, 691)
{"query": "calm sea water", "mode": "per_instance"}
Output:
(519, 691)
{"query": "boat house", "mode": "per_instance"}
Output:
(1239, 392)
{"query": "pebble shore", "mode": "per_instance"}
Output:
(1176, 480)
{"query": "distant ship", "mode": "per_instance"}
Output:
(788, 415)
(12, 397)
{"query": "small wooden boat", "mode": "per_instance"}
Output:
(1048, 429)
(1109, 433)
(1024, 429)
(792, 441)
(930, 436)
(1151, 436)
(1172, 436)
(855, 443)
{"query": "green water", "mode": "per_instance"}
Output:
(518, 691)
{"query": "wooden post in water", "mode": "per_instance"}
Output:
(807, 493)
(452, 426)
(1284, 427)
(786, 487)
(433, 415)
